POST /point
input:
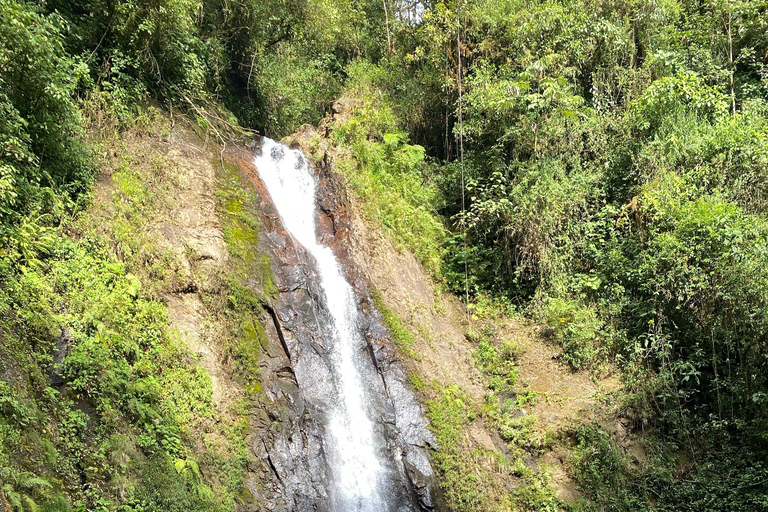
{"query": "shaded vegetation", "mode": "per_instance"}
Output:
(612, 185)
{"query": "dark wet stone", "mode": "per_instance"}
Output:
(530, 463)
(60, 352)
(290, 470)
(421, 476)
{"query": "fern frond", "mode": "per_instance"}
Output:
(30, 505)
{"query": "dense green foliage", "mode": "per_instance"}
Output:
(615, 162)
(124, 421)
(615, 172)
(276, 64)
(132, 397)
(615, 158)
(42, 153)
(391, 174)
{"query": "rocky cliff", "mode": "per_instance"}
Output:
(287, 435)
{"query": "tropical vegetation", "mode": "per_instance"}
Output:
(600, 166)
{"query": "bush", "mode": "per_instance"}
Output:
(577, 329)
(43, 153)
(390, 176)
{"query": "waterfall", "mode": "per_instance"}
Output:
(350, 447)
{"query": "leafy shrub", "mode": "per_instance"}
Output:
(39, 121)
(388, 175)
(604, 471)
(293, 90)
(671, 95)
(576, 328)
(497, 360)
(13, 408)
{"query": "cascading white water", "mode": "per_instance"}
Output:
(291, 184)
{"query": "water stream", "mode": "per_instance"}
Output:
(359, 476)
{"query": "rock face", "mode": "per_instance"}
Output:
(289, 430)
(61, 346)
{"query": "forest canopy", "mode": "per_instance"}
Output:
(613, 156)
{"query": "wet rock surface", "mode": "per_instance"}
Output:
(61, 346)
(288, 431)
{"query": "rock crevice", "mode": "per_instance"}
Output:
(290, 433)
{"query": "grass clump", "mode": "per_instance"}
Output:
(603, 469)
(449, 413)
(577, 329)
(404, 339)
(498, 361)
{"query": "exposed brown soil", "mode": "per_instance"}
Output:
(437, 320)
(564, 396)
(184, 223)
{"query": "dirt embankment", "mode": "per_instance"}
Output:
(180, 222)
(161, 202)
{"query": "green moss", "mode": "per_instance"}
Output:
(246, 497)
(416, 382)
(247, 350)
(404, 340)
(240, 239)
(233, 206)
(461, 484)
(250, 283)
(241, 227)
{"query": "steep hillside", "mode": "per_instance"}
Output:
(168, 321)
(169, 353)
(127, 395)
(502, 403)
(557, 208)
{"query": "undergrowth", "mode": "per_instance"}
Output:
(119, 422)
(404, 339)
(389, 177)
(477, 478)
